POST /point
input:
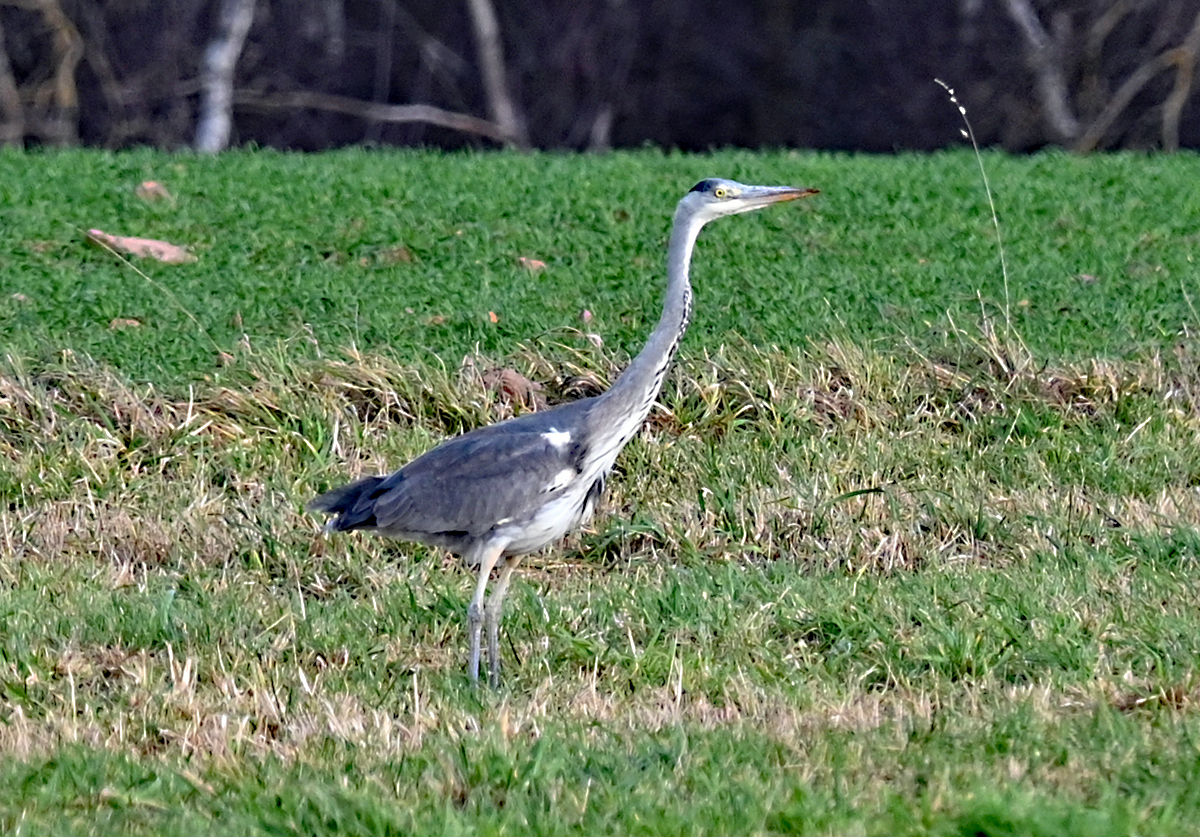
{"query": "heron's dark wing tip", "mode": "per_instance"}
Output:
(344, 498)
(327, 502)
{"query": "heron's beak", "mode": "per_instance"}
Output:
(767, 195)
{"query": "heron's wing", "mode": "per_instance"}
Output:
(470, 483)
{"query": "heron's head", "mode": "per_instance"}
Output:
(715, 197)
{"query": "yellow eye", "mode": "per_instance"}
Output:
(720, 192)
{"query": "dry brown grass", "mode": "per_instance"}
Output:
(837, 462)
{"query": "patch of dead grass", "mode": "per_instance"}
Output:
(132, 483)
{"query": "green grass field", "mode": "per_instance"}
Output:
(904, 550)
(407, 253)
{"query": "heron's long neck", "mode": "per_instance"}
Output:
(631, 397)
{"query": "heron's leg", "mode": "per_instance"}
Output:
(489, 554)
(495, 604)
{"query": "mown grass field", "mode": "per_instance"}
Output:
(908, 548)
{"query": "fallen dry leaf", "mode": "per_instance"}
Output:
(146, 247)
(152, 190)
(123, 322)
(512, 386)
(397, 254)
(532, 265)
(436, 319)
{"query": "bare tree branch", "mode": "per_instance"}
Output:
(1119, 101)
(491, 63)
(371, 110)
(1043, 55)
(93, 27)
(335, 25)
(1183, 58)
(12, 112)
(69, 46)
(1185, 74)
(59, 125)
(220, 59)
(600, 138)
(385, 44)
(1103, 27)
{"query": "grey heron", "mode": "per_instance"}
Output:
(503, 491)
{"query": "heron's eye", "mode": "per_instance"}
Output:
(720, 192)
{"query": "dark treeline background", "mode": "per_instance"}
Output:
(595, 74)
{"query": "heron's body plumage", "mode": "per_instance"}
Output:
(524, 487)
(500, 492)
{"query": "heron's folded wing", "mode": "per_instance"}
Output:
(471, 483)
